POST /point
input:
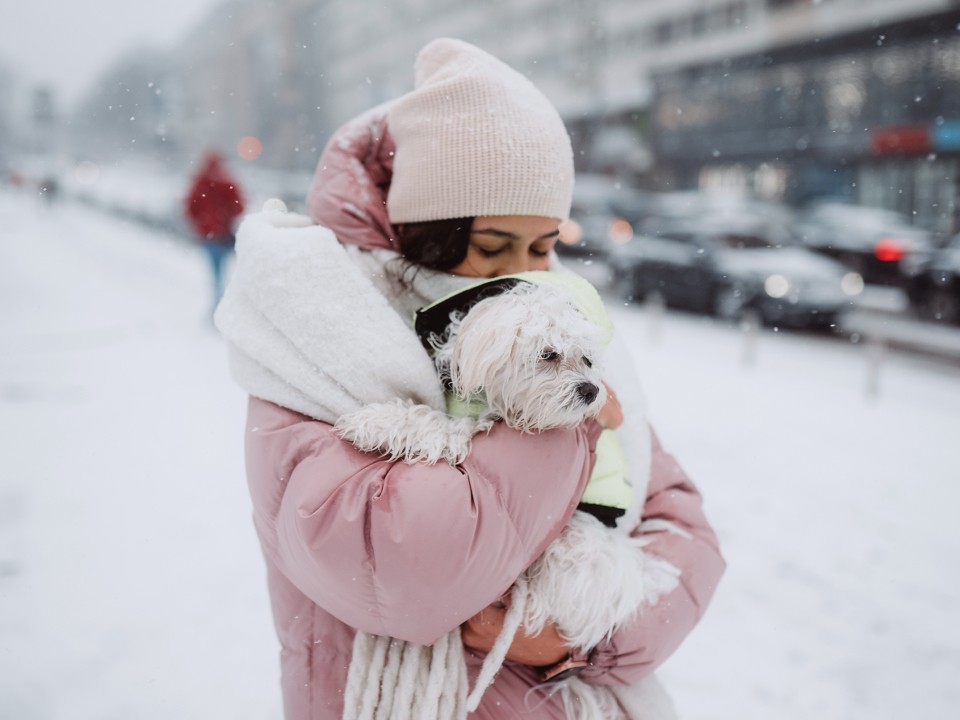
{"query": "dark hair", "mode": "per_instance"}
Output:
(434, 244)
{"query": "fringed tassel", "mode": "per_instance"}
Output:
(498, 653)
(391, 679)
(411, 668)
(358, 675)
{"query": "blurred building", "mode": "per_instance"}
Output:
(253, 69)
(587, 56)
(8, 119)
(839, 98)
(125, 112)
(791, 99)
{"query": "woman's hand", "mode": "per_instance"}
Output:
(611, 415)
(480, 633)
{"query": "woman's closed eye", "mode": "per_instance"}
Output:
(494, 252)
(489, 252)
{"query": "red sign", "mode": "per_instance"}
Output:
(901, 140)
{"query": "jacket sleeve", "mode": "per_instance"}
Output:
(640, 647)
(409, 551)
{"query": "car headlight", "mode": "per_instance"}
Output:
(776, 286)
(851, 284)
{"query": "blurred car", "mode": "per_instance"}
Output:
(725, 266)
(602, 214)
(871, 241)
(933, 282)
(671, 207)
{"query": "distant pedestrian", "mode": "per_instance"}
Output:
(212, 207)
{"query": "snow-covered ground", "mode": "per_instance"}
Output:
(131, 584)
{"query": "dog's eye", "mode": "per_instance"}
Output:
(549, 355)
(587, 361)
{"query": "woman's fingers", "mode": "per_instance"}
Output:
(481, 631)
(611, 414)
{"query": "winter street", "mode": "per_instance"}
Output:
(131, 585)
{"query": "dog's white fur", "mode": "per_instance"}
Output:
(526, 353)
(591, 580)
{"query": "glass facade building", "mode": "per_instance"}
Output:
(873, 116)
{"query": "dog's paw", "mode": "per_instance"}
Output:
(485, 422)
(430, 436)
(457, 443)
(371, 428)
(402, 430)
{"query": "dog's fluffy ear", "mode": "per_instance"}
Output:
(486, 339)
(482, 340)
(443, 347)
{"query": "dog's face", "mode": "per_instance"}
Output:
(531, 354)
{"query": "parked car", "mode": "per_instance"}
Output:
(871, 241)
(725, 266)
(671, 207)
(933, 282)
(602, 214)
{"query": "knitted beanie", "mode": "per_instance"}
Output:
(476, 138)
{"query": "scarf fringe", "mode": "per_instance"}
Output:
(393, 679)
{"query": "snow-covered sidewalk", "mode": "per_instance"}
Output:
(130, 579)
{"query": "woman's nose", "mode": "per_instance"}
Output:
(514, 265)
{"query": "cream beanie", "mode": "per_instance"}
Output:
(475, 137)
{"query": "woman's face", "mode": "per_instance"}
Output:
(506, 244)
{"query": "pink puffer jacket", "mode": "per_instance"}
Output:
(354, 541)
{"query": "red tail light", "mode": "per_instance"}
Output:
(889, 250)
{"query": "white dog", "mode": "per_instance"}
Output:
(529, 357)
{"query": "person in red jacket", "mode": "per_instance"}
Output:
(212, 207)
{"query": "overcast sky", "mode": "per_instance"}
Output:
(68, 43)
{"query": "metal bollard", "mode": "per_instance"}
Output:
(876, 350)
(750, 331)
(655, 308)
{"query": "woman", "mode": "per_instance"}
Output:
(468, 176)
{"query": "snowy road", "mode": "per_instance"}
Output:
(130, 580)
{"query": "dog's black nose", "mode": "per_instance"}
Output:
(588, 391)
